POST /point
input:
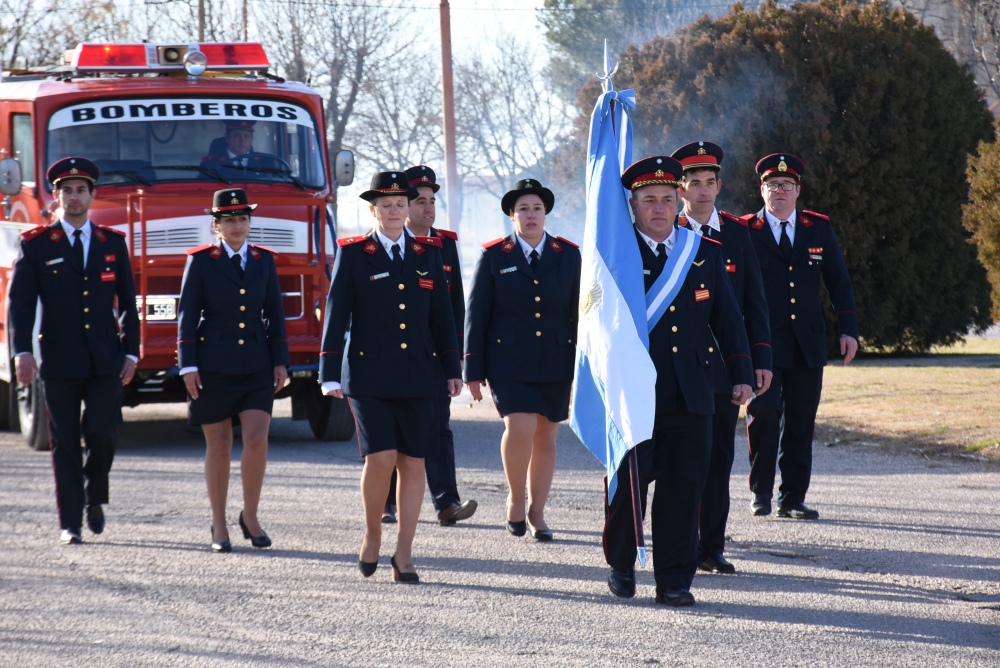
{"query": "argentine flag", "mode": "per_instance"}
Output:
(614, 388)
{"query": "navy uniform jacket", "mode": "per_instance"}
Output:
(521, 324)
(401, 325)
(81, 320)
(743, 271)
(682, 345)
(453, 272)
(792, 288)
(229, 324)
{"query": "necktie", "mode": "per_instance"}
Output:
(397, 258)
(534, 260)
(706, 231)
(78, 247)
(661, 254)
(786, 243)
(238, 263)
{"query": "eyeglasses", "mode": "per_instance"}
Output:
(775, 186)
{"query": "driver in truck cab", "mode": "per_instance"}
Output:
(236, 149)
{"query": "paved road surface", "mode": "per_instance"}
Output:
(903, 569)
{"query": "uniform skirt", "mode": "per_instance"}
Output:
(404, 424)
(224, 395)
(548, 399)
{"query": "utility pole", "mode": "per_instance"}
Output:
(201, 21)
(246, 30)
(448, 102)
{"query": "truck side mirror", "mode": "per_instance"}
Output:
(343, 168)
(10, 177)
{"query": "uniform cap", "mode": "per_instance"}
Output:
(699, 155)
(422, 176)
(230, 202)
(527, 187)
(780, 164)
(389, 184)
(657, 170)
(72, 168)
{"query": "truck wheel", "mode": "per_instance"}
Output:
(4, 405)
(32, 415)
(330, 419)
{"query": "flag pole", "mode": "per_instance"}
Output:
(633, 464)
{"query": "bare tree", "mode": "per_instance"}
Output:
(508, 121)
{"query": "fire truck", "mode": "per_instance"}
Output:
(148, 115)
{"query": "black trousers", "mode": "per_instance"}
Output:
(715, 499)
(82, 474)
(676, 459)
(780, 426)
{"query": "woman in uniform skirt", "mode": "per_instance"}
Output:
(233, 355)
(520, 337)
(389, 328)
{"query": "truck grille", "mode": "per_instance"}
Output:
(174, 237)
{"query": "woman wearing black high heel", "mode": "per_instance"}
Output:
(389, 300)
(233, 355)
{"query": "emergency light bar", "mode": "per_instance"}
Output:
(152, 58)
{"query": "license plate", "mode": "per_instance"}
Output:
(158, 308)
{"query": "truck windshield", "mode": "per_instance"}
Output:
(225, 140)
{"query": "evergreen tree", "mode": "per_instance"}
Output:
(982, 213)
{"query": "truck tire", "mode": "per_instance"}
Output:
(33, 416)
(330, 419)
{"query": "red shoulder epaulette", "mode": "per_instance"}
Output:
(733, 218)
(682, 221)
(711, 240)
(28, 235)
(347, 241)
(747, 218)
(429, 241)
(447, 233)
(818, 215)
(113, 230)
(198, 249)
(491, 244)
(567, 242)
(265, 248)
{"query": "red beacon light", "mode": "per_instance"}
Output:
(149, 58)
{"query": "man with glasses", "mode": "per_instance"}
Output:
(797, 250)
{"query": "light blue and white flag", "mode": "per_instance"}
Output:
(614, 398)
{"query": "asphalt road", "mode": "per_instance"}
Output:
(903, 569)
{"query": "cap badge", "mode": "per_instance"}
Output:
(425, 178)
(234, 201)
(782, 167)
(74, 171)
(395, 186)
(659, 173)
(527, 184)
(702, 151)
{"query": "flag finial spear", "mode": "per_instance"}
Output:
(608, 70)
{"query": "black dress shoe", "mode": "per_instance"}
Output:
(622, 583)
(70, 536)
(675, 597)
(95, 518)
(224, 546)
(517, 528)
(256, 541)
(797, 511)
(457, 512)
(760, 505)
(716, 563)
(367, 568)
(400, 577)
(541, 535)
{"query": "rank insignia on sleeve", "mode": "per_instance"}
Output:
(702, 295)
(371, 247)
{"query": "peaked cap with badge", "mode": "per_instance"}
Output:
(230, 202)
(72, 168)
(780, 164)
(699, 155)
(657, 170)
(386, 184)
(527, 187)
(422, 176)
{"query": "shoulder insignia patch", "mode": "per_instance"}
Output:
(56, 233)
(555, 246)
(682, 221)
(417, 247)
(430, 241)
(347, 241)
(567, 242)
(113, 230)
(100, 235)
(215, 253)
(28, 235)
(732, 218)
(198, 249)
(264, 248)
(817, 215)
(494, 242)
(447, 233)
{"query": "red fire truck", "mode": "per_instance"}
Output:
(148, 115)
